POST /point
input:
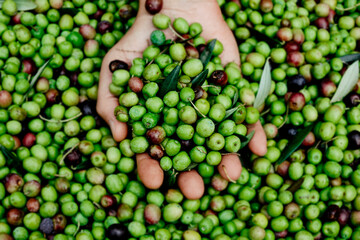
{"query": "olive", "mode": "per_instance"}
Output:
(87, 107)
(104, 27)
(199, 92)
(352, 100)
(296, 83)
(153, 6)
(344, 216)
(47, 226)
(354, 140)
(117, 231)
(219, 77)
(288, 131)
(73, 158)
(331, 213)
(126, 11)
(117, 64)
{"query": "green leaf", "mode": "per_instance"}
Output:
(347, 82)
(83, 165)
(70, 11)
(349, 58)
(199, 79)
(11, 159)
(296, 185)
(36, 77)
(273, 42)
(191, 166)
(246, 140)
(294, 143)
(236, 97)
(207, 53)
(231, 111)
(170, 82)
(22, 5)
(264, 86)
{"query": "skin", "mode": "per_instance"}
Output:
(135, 41)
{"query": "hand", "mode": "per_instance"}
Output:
(135, 41)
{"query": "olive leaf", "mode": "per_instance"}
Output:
(169, 179)
(70, 11)
(347, 82)
(264, 86)
(11, 159)
(231, 111)
(236, 97)
(294, 143)
(296, 185)
(200, 78)
(273, 42)
(170, 82)
(207, 53)
(83, 165)
(36, 77)
(348, 58)
(191, 166)
(22, 5)
(246, 139)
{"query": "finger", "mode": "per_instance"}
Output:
(141, 156)
(230, 167)
(107, 103)
(258, 143)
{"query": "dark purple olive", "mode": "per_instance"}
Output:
(281, 234)
(156, 135)
(296, 83)
(283, 168)
(288, 131)
(199, 92)
(352, 100)
(191, 52)
(354, 140)
(153, 6)
(118, 64)
(186, 145)
(88, 107)
(104, 27)
(344, 216)
(218, 77)
(15, 217)
(201, 48)
(108, 201)
(46, 226)
(136, 84)
(33, 205)
(59, 222)
(28, 66)
(13, 182)
(62, 184)
(318, 236)
(126, 11)
(117, 231)
(98, 14)
(331, 213)
(74, 78)
(52, 96)
(156, 152)
(73, 158)
(112, 212)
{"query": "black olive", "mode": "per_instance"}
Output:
(117, 232)
(87, 107)
(47, 226)
(104, 27)
(344, 216)
(296, 83)
(186, 145)
(352, 100)
(288, 131)
(126, 11)
(73, 158)
(118, 64)
(331, 213)
(354, 140)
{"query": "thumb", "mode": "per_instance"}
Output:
(118, 129)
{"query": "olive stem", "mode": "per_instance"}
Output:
(286, 117)
(265, 112)
(227, 175)
(68, 152)
(77, 228)
(196, 108)
(179, 36)
(97, 205)
(60, 121)
(349, 8)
